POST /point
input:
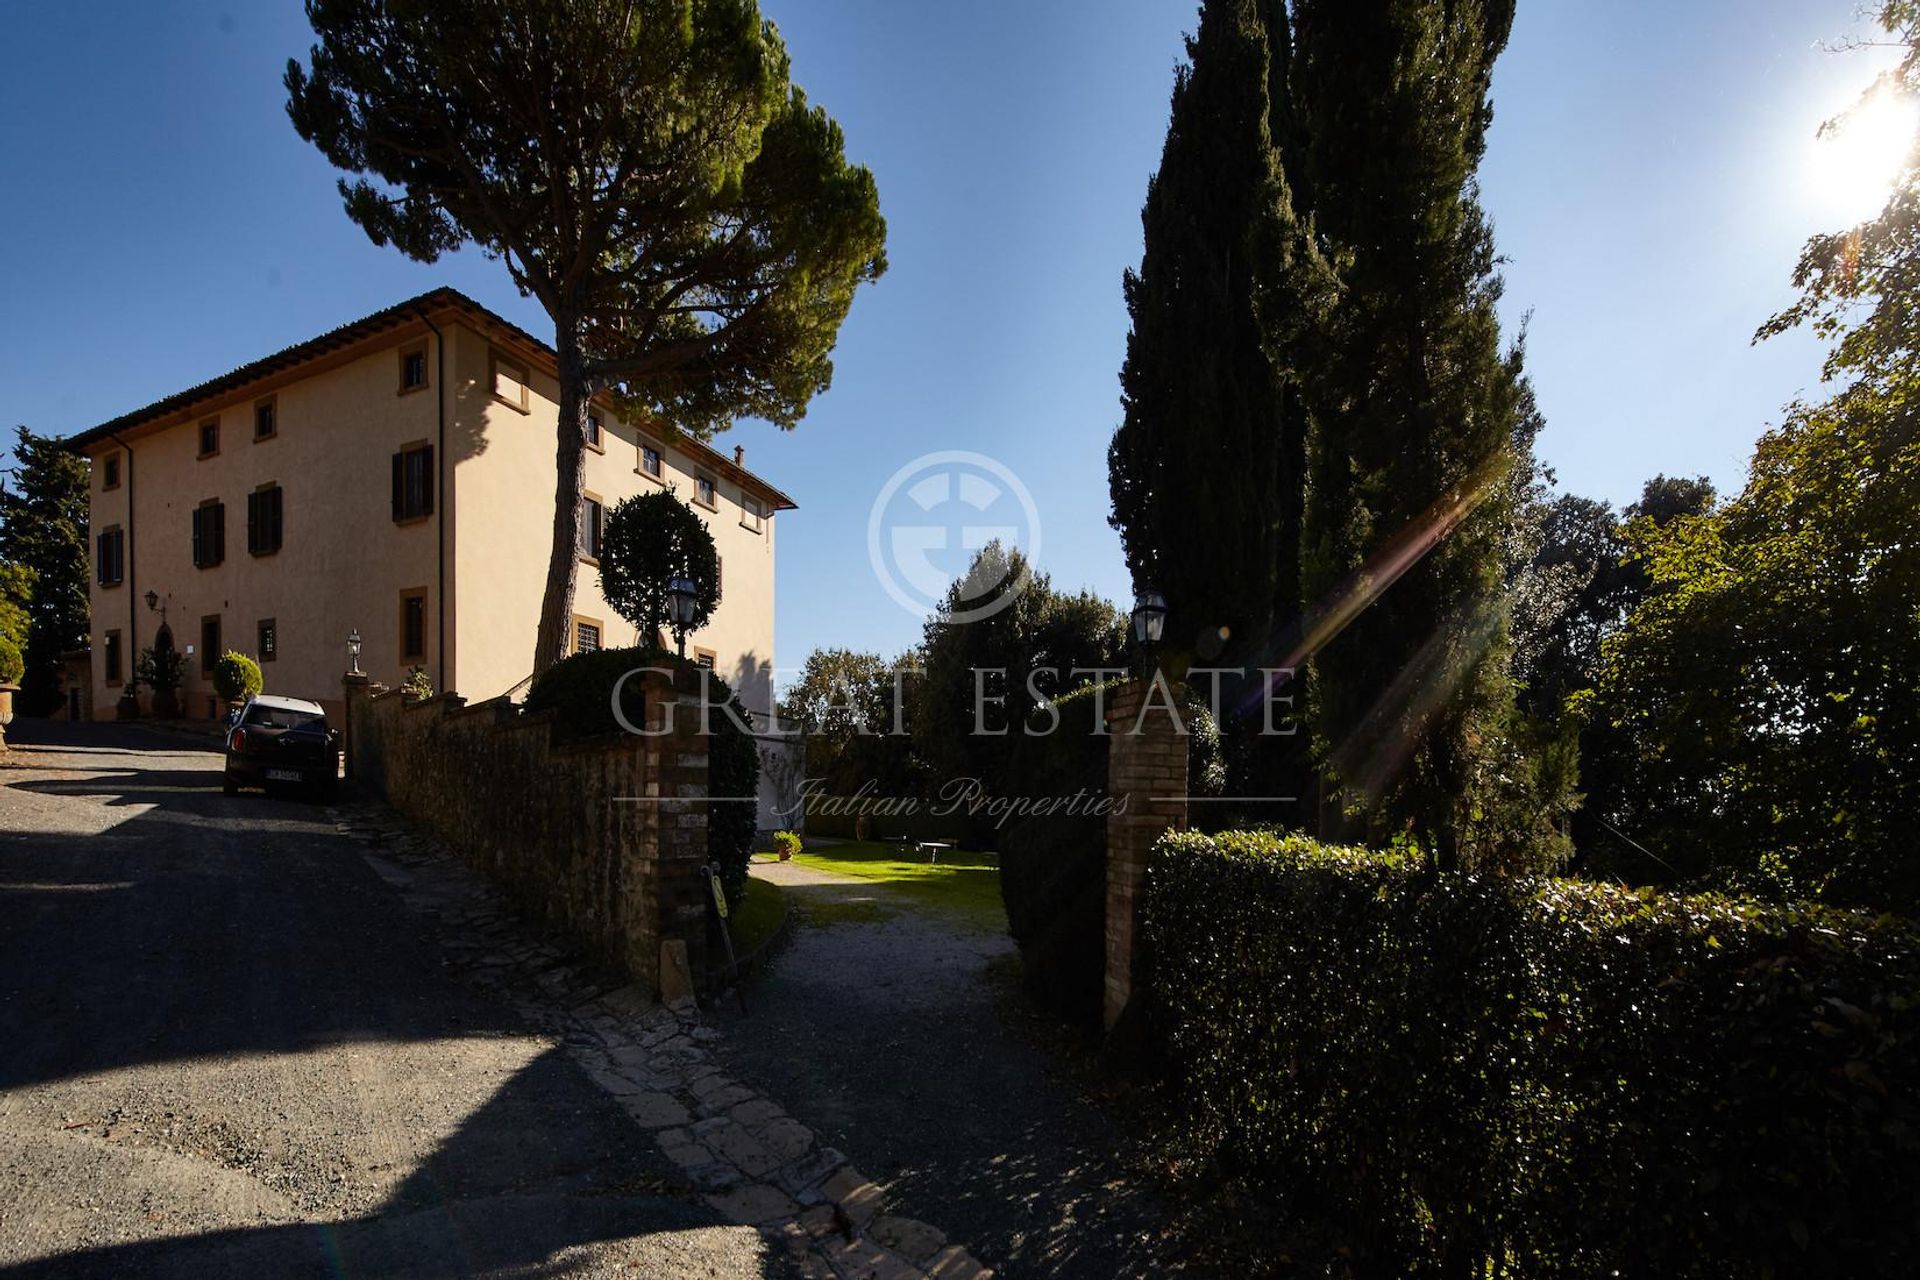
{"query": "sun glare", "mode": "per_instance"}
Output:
(1858, 160)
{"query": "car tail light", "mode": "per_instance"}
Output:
(238, 742)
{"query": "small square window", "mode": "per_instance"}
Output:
(510, 383)
(586, 636)
(413, 368)
(594, 433)
(651, 462)
(705, 493)
(268, 639)
(752, 514)
(266, 419)
(704, 658)
(110, 471)
(209, 437)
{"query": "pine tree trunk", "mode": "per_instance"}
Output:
(556, 606)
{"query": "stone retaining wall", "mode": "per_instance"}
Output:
(602, 840)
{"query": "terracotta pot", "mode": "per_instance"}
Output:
(6, 710)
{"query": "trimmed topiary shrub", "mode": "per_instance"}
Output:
(236, 676)
(1487, 1076)
(579, 691)
(12, 665)
(786, 844)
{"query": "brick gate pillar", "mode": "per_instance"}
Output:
(1147, 784)
(671, 945)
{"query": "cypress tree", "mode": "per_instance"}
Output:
(1413, 407)
(1206, 469)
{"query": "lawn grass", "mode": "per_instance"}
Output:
(962, 882)
(757, 917)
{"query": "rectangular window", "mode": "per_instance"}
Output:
(209, 437)
(594, 441)
(705, 494)
(752, 514)
(110, 471)
(210, 650)
(593, 523)
(719, 576)
(264, 509)
(704, 658)
(413, 483)
(651, 463)
(268, 635)
(413, 625)
(586, 635)
(510, 383)
(111, 644)
(266, 419)
(111, 548)
(413, 368)
(209, 534)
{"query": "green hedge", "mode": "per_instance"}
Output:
(579, 691)
(1490, 1077)
(12, 666)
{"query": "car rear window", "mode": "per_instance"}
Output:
(282, 718)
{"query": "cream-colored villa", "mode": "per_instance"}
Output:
(394, 477)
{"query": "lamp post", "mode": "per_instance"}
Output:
(1149, 618)
(353, 652)
(682, 600)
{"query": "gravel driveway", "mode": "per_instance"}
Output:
(886, 1030)
(226, 1049)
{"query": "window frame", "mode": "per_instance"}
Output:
(112, 666)
(701, 478)
(272, 405)
(592, 533)
(219, 538)
(256, 546)
(266, 635)
(595, 431)
(599, 631)
(116, 537)
(403, 511)
(407, 596)
(200, 438)
(753, 516)
(406, 353)
(706, 658)
(524, 381)
(646, 446)
(110, 471)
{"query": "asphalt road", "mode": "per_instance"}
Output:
(226, 1049)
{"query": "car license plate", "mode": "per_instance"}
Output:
(283, 775)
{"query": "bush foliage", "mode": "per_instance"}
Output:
(12, 667)
(579, 690)
(236, 676)
(1459, 1075)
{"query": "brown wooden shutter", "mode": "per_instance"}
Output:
(219, 532)
(399, 487)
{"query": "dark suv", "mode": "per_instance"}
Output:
(276, 741)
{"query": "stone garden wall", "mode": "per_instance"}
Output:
(602, 840)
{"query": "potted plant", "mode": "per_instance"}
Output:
(236, 677)
(786, 844)
(418, 686)
(161, 669)
(12, 667)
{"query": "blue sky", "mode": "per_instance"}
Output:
(1652, 172)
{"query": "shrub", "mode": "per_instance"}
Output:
(160, 668)
(1458, 1075)
(236, 676)
(579, 691)
(786, 844)
(12, 666)
(418, 685)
